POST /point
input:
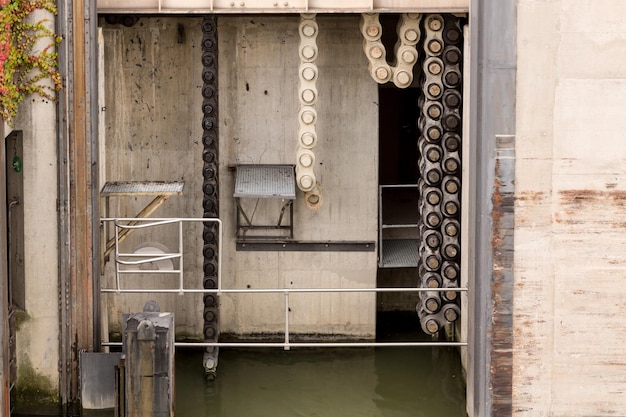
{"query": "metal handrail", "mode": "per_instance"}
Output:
(287, 344)
(143, 223)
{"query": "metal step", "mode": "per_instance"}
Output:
(399, 253)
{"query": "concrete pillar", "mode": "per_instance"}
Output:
(149, 376)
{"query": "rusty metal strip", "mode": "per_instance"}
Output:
(502, 240)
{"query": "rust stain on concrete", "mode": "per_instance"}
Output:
(602, 208)
(501, 330)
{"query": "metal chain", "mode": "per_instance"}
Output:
(439, 164)
(210, 201)
(406, 56)
(307, 116)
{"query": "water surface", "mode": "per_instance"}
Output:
(328, 382)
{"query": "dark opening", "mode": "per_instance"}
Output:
(398, 117)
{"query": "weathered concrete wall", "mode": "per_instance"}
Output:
(570, 209)
(38, 325)
(258, 111)
(153, 132)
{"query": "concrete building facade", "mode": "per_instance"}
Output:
(543, 178)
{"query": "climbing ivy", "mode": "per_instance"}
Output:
(24, 66)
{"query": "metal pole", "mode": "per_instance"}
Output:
(4, 285)
(180, 252)
(64, 23)
(286, 320)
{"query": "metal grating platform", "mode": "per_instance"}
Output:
(265, 181)
(399, 253)
(142, 188)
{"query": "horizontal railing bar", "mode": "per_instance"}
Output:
(145, 225)
(279, 290)
(167, 220)
(150, 255)
(148, 260)
(400, 226)
(398, 186)
(148, 271)
(306, 344)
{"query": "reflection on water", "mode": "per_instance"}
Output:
(363, 382)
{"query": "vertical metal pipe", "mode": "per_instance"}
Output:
(4, 285)
(117, 254)
(380, 226)
(91, 94)
(180, 252)
(64, 28)
(286, 320)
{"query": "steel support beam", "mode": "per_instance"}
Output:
(78, 192)
(290, 6)
(492, 112)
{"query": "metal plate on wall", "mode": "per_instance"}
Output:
(97, 379)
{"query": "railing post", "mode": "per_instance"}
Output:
(117, 251)
(286, 320)
(180, 252)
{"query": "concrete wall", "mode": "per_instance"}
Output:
(38, 324)
(570, 209)
(258, 110)
(152, 81)
(153, 132)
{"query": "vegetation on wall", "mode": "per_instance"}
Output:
(25, 67)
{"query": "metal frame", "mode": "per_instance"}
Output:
(264, 182)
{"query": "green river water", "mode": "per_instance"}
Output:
(359, 382)
(324, 382)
